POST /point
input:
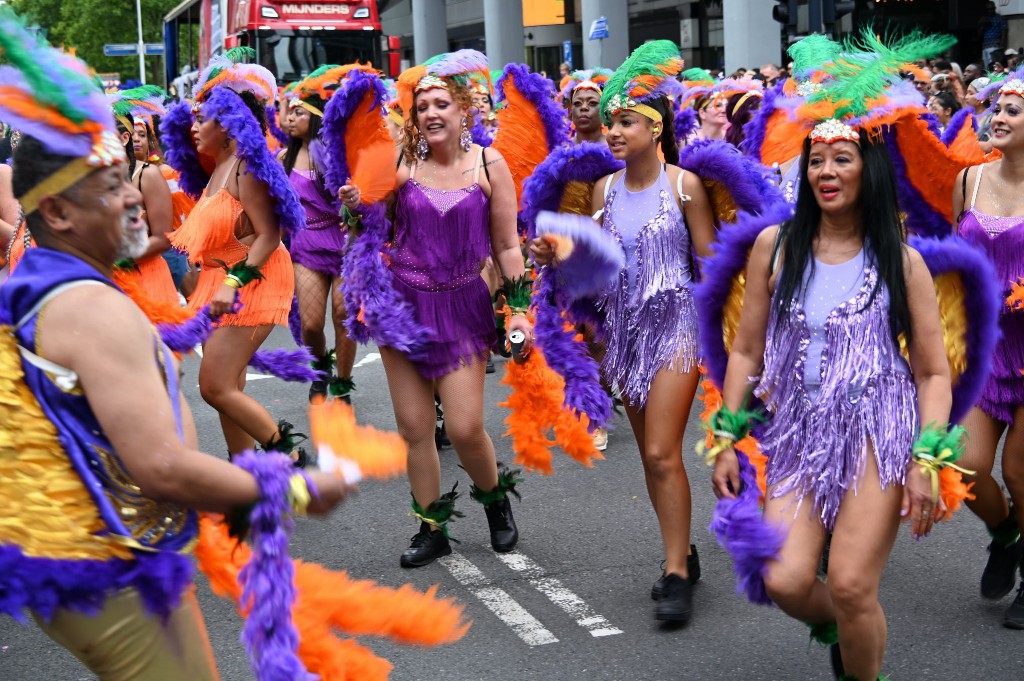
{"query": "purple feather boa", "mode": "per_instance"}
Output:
(268, 589)
(340, 108)
(481, 135)
(749, 183)
(184, 337)
(294, 366)
(921, 218)
(46, 585)
(956, 124)
(369, 289)
(570, 359)
(933, 124)
(295, 321)
(228, 109)
(179, 150)
(272, 125)
(543, 190)
(729, 259)
(982, 302)
(537, 90)
(739, 526)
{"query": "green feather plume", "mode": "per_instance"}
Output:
(657, 58)
(813, 52)
(240, 55)
(697, 75)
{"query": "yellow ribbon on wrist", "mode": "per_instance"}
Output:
(298, 494)
(722, 442)
(931, 464)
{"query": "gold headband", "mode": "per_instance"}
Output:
(834, 130)
(106, 151)
(752, 93)
(396, 117)
(307, 106)
(428, 82)
(123, 120)
(620, 103)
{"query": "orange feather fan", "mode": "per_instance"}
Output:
(521, 135)
(378, 454)
(327, 601)
(370, 151)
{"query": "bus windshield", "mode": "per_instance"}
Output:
(292, 54)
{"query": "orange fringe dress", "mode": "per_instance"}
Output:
(208, 236)
(153, 277)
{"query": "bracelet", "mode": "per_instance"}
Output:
(727, 427)
(233, 281)
(126, 264)
(939, 447)
(240, 274)
(517, 293)
(299, 493)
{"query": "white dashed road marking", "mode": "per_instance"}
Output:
(498, 601)
(558, 594)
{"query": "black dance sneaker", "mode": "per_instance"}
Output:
(836, 658)
(504, 533)
(692, 567)
(1014, 617)
(676, 602)
(317, 390)
(426, 547)
(1004, 557)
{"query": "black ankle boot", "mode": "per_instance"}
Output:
(1005, 552)
(504, 533)
(318, 388)
(427, 546)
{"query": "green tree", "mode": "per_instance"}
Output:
(87, 25)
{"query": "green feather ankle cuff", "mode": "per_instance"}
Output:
(440, 512)
(508, 478)
(825, 634)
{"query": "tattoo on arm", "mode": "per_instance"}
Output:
(488, 163)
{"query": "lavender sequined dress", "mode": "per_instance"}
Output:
(441, 240)
(650, 318)
(834, 382)
(1002, 238)
(320, 246)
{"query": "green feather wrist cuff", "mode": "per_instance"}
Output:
(728, 427)
(243, 273)
(939, 447)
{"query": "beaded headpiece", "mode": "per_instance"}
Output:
(587, 79)
(51, 96)
(834, 130)
(464, 67)
(1012, 86)
(646, 76)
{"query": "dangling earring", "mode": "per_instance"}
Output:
(465, 137)
(422, 148)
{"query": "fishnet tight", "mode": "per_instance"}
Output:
(462, 398)
(312, 288)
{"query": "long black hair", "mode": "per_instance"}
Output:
(129, 149)
(883, 235)
(669, 147)
(295, 143)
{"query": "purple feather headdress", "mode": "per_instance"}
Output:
(227, 108)
(982, 302)
(180, 151)
(340, 108)
(729, 260)
(755, 129)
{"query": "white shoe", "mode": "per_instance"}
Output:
(600, 436)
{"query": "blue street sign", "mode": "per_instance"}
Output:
(599, 29)
(132, 49)
(567, 53)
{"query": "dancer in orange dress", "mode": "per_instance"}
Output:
(234, 233)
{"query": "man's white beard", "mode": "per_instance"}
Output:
(134, 242)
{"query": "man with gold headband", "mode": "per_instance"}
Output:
(100, 478)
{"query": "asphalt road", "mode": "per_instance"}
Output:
(574, 602)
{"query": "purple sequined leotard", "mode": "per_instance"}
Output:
(1002, 238)
(441, 240)
(320, 246)
(650, 319)
(861, 393)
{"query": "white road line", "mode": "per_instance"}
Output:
(370, 358)
(497, 600)
(558, 594)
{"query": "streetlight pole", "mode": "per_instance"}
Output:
(142, 45)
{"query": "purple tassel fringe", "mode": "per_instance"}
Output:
(184, 337)
(982, 301)
(288, 365)
(268, 589)
(179, 150)
(46, 585)
(739, 526)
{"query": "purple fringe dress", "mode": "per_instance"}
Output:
(441, 240)
(1002, 239)
(320, 246)
(834, 381)
(650, 318)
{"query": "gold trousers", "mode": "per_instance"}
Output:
(125, 643)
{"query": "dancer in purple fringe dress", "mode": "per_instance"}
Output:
(661, 216)
(317, 250)
(826, 296)
(455, 205)
(988, 204)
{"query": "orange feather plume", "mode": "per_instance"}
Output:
(953, 490)
(370, 152)
(378, 454)
(521, 137)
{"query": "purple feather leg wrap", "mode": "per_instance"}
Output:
(739, 526)
(369, 290)
(288, 365)
(340, 108)
(268, 589)
(184, 337)
(570, 359)
(179, 150)
(596, 256)
(922, 219)
(982, 302)
(228, 109)
(729, 260)
(537, 90)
